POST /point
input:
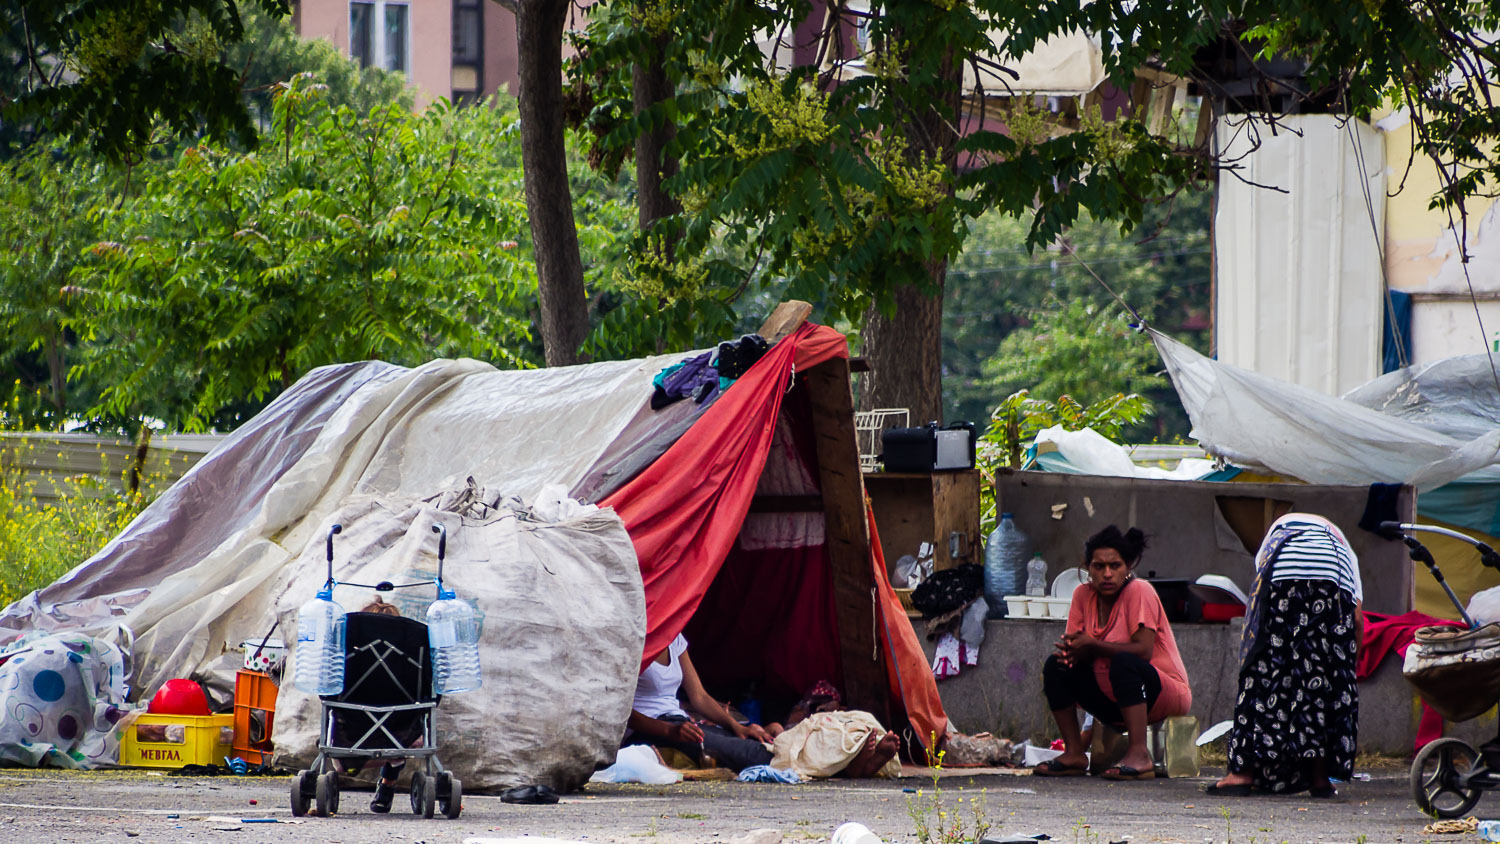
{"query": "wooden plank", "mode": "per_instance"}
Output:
(955, 511)
(842, 483)
(787, 317)
(903, 512)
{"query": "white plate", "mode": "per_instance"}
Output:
(1070, 579)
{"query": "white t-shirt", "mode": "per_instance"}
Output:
(656, 691)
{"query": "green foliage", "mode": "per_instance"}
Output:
(1017, 420)
(1077, 348)
(388, 236)
(49, 200)
(273, 52)
(43, 537)
(111, 72)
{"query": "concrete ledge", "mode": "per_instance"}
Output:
(1003, 694)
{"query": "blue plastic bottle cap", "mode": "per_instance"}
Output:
(1004, 515)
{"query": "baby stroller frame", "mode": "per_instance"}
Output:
(381, 652)
(1448, 776)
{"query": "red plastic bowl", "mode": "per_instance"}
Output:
(179, 697)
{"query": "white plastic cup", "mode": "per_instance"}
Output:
(855, 833)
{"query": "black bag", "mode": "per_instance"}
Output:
(949, 589)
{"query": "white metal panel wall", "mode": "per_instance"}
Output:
(1298, 269)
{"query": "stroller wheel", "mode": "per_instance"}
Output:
(301, 789)
(1437, 778)
(450, 795)
(328, 794)
(417, 789)
(423, 794)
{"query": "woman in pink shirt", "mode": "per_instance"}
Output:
(1117, 659)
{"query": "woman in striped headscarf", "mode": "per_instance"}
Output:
(1296, 716)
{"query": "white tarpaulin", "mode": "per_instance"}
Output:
(1257, 421)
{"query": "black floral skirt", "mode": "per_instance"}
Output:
(1297, 696)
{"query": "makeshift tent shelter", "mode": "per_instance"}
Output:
(205, 566)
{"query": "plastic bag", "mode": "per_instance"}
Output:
(971, 629)
(1484, 607)
(637, 763)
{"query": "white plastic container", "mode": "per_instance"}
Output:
(1057, 608)
(1036, 607)
(854, 833)
(318, 666)
(1016, 605)
(453, 633)
(268, 658)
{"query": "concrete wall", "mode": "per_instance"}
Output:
(1197, 527)
(1003, 694)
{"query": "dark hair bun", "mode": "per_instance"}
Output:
(1131, 544)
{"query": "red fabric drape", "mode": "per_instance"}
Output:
(911, 679)
(684, 511)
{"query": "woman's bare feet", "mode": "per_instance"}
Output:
(1231, 780)
(873, 755)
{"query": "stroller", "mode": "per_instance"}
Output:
(385, 710)
(1457, 673)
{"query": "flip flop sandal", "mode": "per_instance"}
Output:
(1241, 790)
(1054, 768)
(530, 794)
(1125, 772)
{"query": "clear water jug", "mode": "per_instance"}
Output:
(318, 661)
(1005, 556)
(453, 634)
(1036, 577)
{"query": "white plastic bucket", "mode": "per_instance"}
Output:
(270, 657)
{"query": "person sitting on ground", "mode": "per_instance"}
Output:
(822, 737)
(657, 717)
(1117, 659)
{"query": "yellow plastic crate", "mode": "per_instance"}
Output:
(172, 741)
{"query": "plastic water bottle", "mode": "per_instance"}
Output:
(1489, 830)
(453, 633)
(1036, 577)
(1005, 556)
(318, 666)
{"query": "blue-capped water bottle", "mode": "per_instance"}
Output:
(318, 661)
(452, 633)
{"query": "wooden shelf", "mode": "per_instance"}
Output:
(916, 507)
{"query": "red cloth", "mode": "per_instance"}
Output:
(684, 513)
(911, 680)
(1387, 633)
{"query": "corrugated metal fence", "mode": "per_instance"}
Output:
(54, 466)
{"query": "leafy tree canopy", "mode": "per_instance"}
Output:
(110, 72)
(347, 237)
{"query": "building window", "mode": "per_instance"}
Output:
(468, 51)
(380, 34)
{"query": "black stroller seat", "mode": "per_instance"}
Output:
(388, 677)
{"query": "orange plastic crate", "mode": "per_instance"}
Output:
(254, 713)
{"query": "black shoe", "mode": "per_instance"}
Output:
(530, 794)
(384, 794)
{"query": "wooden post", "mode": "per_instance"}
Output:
(842, 484)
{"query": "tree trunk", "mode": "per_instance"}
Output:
(905, 350)
(905, 353)
(652, 164)
(549, 201)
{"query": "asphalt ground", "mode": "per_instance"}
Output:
(60, 806)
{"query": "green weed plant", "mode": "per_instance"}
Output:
(51, 521)
(934, 820)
